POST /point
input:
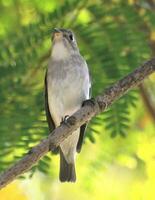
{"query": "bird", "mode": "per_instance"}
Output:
(67, 89)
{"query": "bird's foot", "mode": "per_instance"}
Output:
(64, 119)
(68, 120)
(89, 102)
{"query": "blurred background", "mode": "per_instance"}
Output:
(117, 161)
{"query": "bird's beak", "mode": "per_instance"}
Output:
(57, 34)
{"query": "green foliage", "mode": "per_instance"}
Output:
(113, 41)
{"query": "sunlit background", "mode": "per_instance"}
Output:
(117, 161)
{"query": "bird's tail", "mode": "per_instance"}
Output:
(67, 170)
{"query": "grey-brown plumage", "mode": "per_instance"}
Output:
(67, 85)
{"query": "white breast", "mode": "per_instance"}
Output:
(65, 96)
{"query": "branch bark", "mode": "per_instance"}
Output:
(54, 139)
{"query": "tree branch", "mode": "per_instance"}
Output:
(76, 120)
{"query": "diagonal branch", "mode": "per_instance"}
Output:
(76, 120)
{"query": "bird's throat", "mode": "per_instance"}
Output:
(59, 51)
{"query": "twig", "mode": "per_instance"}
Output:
(76, 120)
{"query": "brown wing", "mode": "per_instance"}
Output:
(82, 132)
(50, 121)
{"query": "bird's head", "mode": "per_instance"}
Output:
(64, 43)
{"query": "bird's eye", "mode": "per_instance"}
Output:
(71, 37)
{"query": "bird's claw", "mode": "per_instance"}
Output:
(64, 119)
(68, 120)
